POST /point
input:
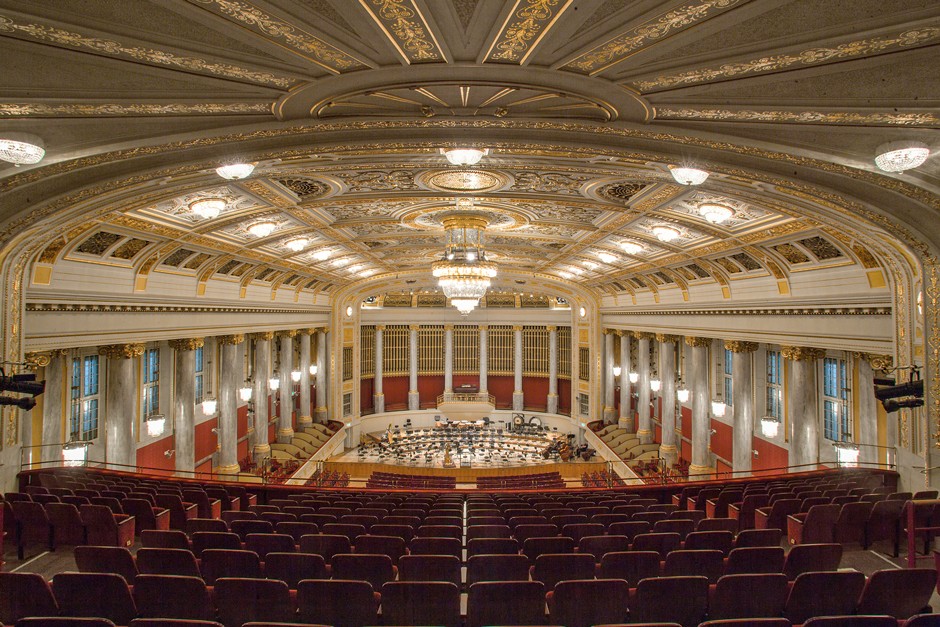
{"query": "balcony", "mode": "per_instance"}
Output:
(466, 406)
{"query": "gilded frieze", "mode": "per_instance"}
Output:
(780, 116)
(69, 110)
(528, 22)
(406, 29)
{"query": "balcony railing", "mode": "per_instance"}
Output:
(461, 397)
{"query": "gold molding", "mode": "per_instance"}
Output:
(263, 336)
(406, 28)
(414, 327)
(121, 351)
(232, 340)
(380, 327)
(643, 335)
(783, 116)
(698, 342)
(665, 338)
(802, 353)
(289, 333)
(877, 362)
(740, 346)
(36, 109)
(523, 30)
(551, 328)
(187, 343)
(35, 361)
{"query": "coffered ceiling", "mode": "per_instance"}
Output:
(584, 104)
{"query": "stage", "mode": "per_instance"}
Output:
(359, 471)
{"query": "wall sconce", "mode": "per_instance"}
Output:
(245, 392)
(216, 430)
(295, 376)
(756, 453)
(274, 383)
(719, 408)
(712, 431)
(74, 453)
(634, 377)
(769, 425)
(846, 454)
(656, 385)
(313, 370)
(683, 393)
(617, 371)
(209, 406)
(169, 453)
(155, 424)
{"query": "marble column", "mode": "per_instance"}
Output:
(448, 358)
(867, 408)
(742, 404)
(802, 406)
(121, 404)
(378, 397)
(667, 370)
(184, 404)
(414, 397)
(304, 417)
(285, 415)
(552, 401)
(701, 406)
(56, 369)
(230, 377)
(610, 412)
(483, 357)
(321, 413)
(261, 371)
(518, 398)
(644, 424)
(626, 416)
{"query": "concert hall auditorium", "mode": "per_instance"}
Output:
(469, 313)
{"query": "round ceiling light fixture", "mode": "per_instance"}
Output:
(235, 171)
(208, 208)
(665, 233)
(297, 244)
(564, 275)
(715, 213)
(464, 305)
(688, 176)
(464, 156)
(606, 257)
(322, 255)
(262, 229)
(901, 155)
(367, 272)
(21, 148)
(631, 248)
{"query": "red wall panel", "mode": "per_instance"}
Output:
(723, 470)
(687, 423)
(769, 457)
(272, 432)
(617, 399)
(242, 449)
(657, 433)
(366, 402)
(429, 388)
(151, 458)
(206, 441)
(501, 387)
(564, 396)
(685, 449)
(395, 390)
(466, 379)
(204, 470)
(535, 393)
(242, 420)
(722, 440)
(313, 398)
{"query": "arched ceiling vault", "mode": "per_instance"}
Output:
(584, 105)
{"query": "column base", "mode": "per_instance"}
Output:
(320, 415)
(231, 469)
(261, 451)
(285, 435)
(303, 422)
(645, 435)
(518, 401)
(626, 422)
(700, 473)
(378, 403)
(610, 414)
(669, 453)
(414, 400)
(552, 404)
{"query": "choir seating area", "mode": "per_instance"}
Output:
(283, 554)
(626, 445)
(304, 444)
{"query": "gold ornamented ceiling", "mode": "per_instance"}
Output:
(813, 79)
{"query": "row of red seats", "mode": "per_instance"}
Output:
(509, 482)
(396, 480)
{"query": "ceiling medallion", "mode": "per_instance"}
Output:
(464, 181)
(621, 192)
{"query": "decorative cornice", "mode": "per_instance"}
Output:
(665, 338)
(309, 331)
(121, 351)
(406, 29)
(739, 346)
(483, 327)
(264, 336)
(232, 340)
(128, 308)
(187, 343)
(802, 353)
(450, 327)
(783, 116)
(780, 311)
(37, 109)
(697, 342)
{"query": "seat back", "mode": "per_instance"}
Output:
(102, 595)
(325, 545)
(107, 559)
(336, 602)
(680, 600)
(159, 561)
(898, 593)
(203, 540)
(25, 594)
(164, 539)
(823, 594)
(505, 603)
(765, 597)
(707, 563)
(713, 540)
(171, 596)
(804, 558)
(429, 568)
(375, 568)
(435, 546)
(264, 543)
(493, 567)
(662, 543)
(582, 603)
(533, 547)
(221, 563)
(550, 568)
(242, 600)
(631, 566)
(598, 546)
(758, 537)
(421, 603)
(754, 560)
(392, 546)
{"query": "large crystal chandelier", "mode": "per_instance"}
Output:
(464, 273)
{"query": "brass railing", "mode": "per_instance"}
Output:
(461, 397)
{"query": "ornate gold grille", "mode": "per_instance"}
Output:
(564, 352)
(584, 363)
(466, 350)
(499, 350)
(431, 350)
(347, 363)
(366, 351)
(395, 347)
(535, 351)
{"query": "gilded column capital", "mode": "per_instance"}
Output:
(483, 327)
(187, 343)
(802, 353)
(517, 327)
(287, 333)
(121, 351)
(414, 327)
(739, 346)
(263, 336)
(551, 328)
(609, 331)
(665, 338)
(697, 342)
(35, 361)
(308, 331)
(878, 362)
(380, 327)
(643, 335)
(448, 327)
(233, 339)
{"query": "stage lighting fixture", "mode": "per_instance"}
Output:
(25, 402)
(892, 405)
